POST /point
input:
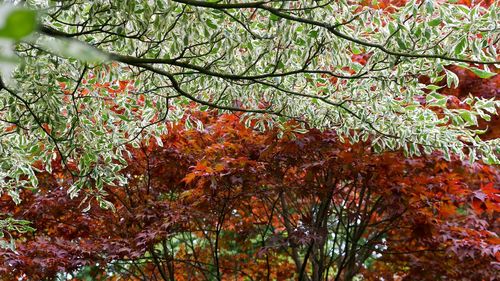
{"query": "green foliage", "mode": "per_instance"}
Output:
(17, 24)
(10, 225)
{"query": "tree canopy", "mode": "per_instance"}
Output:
(85, 85)
(230, 203)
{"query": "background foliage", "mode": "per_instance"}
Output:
(231, 203)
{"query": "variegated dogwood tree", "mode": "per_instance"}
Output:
(81, 79)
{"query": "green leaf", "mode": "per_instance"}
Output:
(313, 34)
(274, 17)
(436, 96)
(451, 78)
(401, 43)
(211, 24)
(489, 106)
(434, 22)
(429, 7)
(482, 73)
(18, 24)
(355, 50)
(491, 159)
(435, 99)
(433, 87)
(460, 47)
(469, 117)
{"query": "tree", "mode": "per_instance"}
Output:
(232, 203)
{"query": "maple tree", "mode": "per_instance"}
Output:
(230, 202)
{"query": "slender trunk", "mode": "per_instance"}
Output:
(289, 229)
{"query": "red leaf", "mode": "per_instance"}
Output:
(478, 205)
(189, 178)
